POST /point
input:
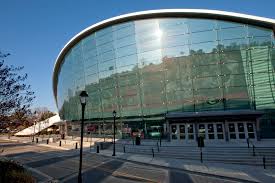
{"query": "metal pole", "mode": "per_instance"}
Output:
(114, 149)
(201, 154)
(33, 134)
(264, 161)
(81, 145)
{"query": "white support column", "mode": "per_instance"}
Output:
(236, 130)
(168, 128)
(226, 130)
(206, 131)
(215, 131)
(186, 131)
(178, 132)
(245, 130)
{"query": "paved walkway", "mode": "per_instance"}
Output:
(250, 173)
(243, 172)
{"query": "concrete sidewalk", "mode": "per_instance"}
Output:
(239, 173)
(242, 173)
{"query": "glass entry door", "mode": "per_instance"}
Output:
(182, 132)
(251, 130)
(211, 131)
(241, 130)
(174, 132)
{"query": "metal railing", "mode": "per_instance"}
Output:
(232, 154)
(256, 152)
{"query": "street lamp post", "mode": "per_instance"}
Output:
(114, 141)
(33, 131)
(83, 95)
(34, 127)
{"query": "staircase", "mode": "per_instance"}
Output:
(222, 154)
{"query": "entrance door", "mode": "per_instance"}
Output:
(241, 130)
(190, 132)
(182, 131)
(219, 131)
(212, 131)
(232, 131)
(174, 132)
(251, 130)
(202, 130)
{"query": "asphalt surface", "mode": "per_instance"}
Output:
(46, 163)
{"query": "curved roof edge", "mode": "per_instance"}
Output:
(194, 13)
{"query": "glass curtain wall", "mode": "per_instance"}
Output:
(149, 67)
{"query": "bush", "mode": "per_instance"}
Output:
(12, 172)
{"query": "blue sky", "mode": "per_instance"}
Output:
(34, 31)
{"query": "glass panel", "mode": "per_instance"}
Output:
(251, 135)
(211, 136)
(200, 37)
(220, 135)
(197, 25)
(250, 127)
(232, 136)
(241, 136)
(231, 127)
(173, 26)
(225, 24)
(201, 48)
(174, 131)
(233, 33)
(210, 128)
(240, 127)
(182, 131)
(219, 128)
(190, 130)
(202, 130)
(257, 31)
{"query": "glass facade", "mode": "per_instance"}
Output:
(146, 68)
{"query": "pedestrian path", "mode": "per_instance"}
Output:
(238, 172)
(242, 172)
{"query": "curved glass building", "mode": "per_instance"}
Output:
(178, 74)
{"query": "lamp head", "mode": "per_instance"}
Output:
(114, 113)
(83, 95)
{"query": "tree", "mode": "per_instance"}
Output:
(15, 95)
(42, 113)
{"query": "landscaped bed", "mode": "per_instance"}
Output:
(12, 172)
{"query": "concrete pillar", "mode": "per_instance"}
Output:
(258, 131)
(226, 134)
(99, 129)
(66, 128)
(168, 130)
(196, 130)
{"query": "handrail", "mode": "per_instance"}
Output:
(257, 153)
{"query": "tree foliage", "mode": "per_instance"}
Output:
(43, 113)
(15, 94)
